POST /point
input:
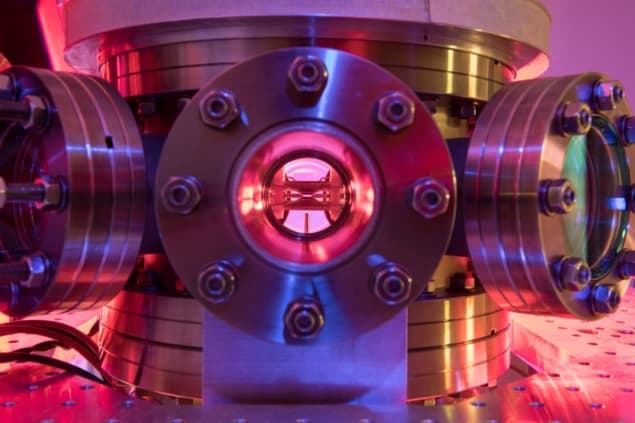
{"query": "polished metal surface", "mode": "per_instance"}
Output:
(455, 342)
(237, 168)
(485, 27)
(467, 50)
(154, 342)
(529, 256)
(584, 375)
(86, 160)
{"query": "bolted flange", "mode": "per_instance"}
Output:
(429, 198)
(557, 196)
(395, 111)
(219, 108)
(217, 281)
(303, 319)
(308, 74)
(605, 299)
(181, 194)
(572, 273)
(575, 118)
(608, 94)
(391, 284)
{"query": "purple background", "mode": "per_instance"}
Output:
(592, 35)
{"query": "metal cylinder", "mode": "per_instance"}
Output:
(536, 197)
(93, 191)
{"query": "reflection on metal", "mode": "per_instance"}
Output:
(585, 374)
(330, 203)
(521, 163)
(74, 186)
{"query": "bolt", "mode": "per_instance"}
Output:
(557, 196)
(608, 94)
(605, 299)
(38, 266)
(429, 198)
(30, 271)
(573, 273)
(308, 74)
(181, 194)
(219, 108)
(217, 281)
(391, 284)
(575, 118)
(628, 129)
(626, 266)
(54, 193)
(395, 111)
(303, 319)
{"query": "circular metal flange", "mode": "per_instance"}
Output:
(519, 145)
(91, 148)
(370, 173)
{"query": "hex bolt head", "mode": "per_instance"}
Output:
(608, 94)
(38, 271)
(217, 281)
(181, 194)
(628, 129)
(575, 118)
(391, 284)
(395, 111)
(557, 196)
(219, 109)
(605, 299)
(429, 198)
(54, 193)
(303, 319)
(308, 74)
(573, 273)
(626, 264)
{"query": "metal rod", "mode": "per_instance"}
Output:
(14, 272)
(15, 111)
(23, 193)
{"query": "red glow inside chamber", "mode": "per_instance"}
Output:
(305, 197)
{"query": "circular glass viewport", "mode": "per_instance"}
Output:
(306, 197)
(596, 165)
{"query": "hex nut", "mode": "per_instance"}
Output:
(391, 284)
(219, 109)
(626, 266)
(605, 299)
(608, 94)
(575, 118)
(308, 74)
(38, 271)
(395, 111)
(303, 319)
(39, 117)
(628, 129)
(54, 193)
(429, 198)
(557, 196)
(573, 273)
(181, 194)
(217, 281)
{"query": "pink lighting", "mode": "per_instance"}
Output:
(305, 197)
